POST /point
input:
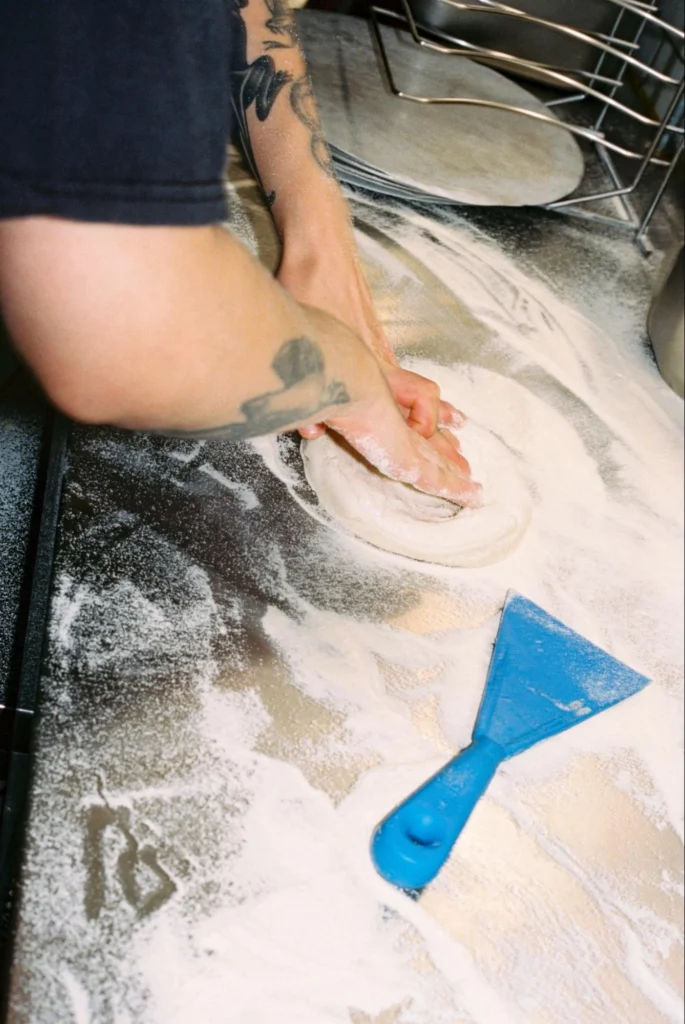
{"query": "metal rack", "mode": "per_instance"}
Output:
(619, 63)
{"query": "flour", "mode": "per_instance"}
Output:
(190, 452)
(246, 496)
(604, 463)
(20, 437)
(255, 744)
(77, 996)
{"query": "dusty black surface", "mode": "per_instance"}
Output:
(23, 417)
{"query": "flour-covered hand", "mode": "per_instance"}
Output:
(337, 285)
(382, 437)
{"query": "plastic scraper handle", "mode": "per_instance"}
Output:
(411, 845)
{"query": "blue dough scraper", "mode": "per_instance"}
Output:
(543, 679)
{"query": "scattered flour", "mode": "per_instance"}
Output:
(253, 750)
(20, 437)
(187, 454)
(246, 495)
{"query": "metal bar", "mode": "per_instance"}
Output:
(587, 133)
(649, 215)
(621, 75)
(511, 12)
(580, 72)
(617, 193)
(607, 161)
(575, 205)
(678, 51)
(586, 74)
(615, 40)
(622, 191)
(651, 152)
(440, 34)
(599, 218)
(563, 100)
(636, 5)
(505, 58)
(603, 56)
(646, 11)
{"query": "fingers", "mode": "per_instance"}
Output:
(451, 439)
(446, 475)
(402, 454)
(311, 432)
(438, 474)
(424, 405)
(450, 416)
(460, 485)
(419, 399)
(428, 415)
(447, 445)
(423, 418)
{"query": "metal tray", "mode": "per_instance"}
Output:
(478, 151)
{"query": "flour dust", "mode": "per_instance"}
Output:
(281, 723)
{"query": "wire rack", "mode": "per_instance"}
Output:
(623, 70)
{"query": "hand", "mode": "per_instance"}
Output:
(381, 435)
(373, 424)
(418, 399)
(350, 301)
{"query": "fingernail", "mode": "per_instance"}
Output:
(454, 419)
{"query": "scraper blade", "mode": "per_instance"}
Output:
(544, 678)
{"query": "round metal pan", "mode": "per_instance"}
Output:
(464, 153)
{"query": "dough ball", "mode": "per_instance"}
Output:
(398, 518)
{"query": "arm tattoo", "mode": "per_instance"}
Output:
(260, 83)
(300, 365)
(280, 23)
(303, 102)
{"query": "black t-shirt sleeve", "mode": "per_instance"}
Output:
(115, 110)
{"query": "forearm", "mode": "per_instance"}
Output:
(283, 134)
(283, 139)
(176, 330)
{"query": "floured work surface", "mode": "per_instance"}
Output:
(238, 691)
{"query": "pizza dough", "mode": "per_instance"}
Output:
(398, 518)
